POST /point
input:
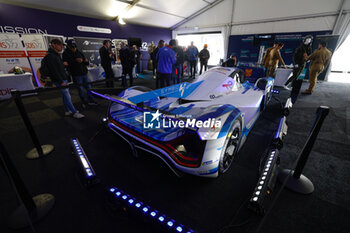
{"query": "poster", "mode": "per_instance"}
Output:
(117, 46)
(12, 53)
(90, 48)
(36, 48)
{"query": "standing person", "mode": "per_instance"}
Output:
(274, 58)
(106, 55)
(155, 62)
(265, 60)
(137, 59)
(166, 59)
(180, 59)
(193, 54)
(320, 60)
(77, 66)
(127, 60)
(204, 56)
(299, 59)
(58, 75)
(231, 61)
(174, 75)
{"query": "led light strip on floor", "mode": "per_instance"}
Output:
(153, 215)
(89, 173)
(264, 183)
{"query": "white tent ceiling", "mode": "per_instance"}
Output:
(244, 16)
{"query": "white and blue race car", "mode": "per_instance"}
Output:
(196, 128)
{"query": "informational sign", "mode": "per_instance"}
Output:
(36, 48)
(117, 46)
(94, 29)
(90, 48)
(12, 53)
(49, 38)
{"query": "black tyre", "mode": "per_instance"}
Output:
(231, 146)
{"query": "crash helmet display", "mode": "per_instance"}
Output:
(18, 70)
(308, 39)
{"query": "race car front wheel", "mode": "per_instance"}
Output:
(231, 146)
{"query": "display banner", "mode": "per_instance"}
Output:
(117, 46)
(36, 47)
(90, 48)
(12, 53)
(247, 50)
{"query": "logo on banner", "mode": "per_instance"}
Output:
(86, 42)
(8, 43)
(152, 120)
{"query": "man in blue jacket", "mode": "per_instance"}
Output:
(193, 54)
(166, 59)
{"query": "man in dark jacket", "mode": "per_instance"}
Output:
(106, 62)
(299, 59)
(166, 59)
(193, 55)
(180, 59)
(59, 76)
(204, 56)
(231, 62)
(127, 60)
(77, 67)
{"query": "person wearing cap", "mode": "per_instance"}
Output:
(106, 56)
(59, 76)
(231, 61)
(192, 54)
(320, 60)
(299, 59)
(204, 56)
(77, 66)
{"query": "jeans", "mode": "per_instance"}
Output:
(193, 65)
(67, 101)
(205, 64)
(83, 80)
(177, 77)
(109, 75)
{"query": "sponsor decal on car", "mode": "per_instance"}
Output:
(153, 120)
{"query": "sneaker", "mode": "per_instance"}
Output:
(92, 104)
(68, 113)
(78, 115)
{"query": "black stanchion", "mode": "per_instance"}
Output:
(31, 209)
(39, 150)
(298, 182)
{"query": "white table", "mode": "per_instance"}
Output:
(98, 73)
(282, 76)
(20, 82)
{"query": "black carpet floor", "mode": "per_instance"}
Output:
(205, 205)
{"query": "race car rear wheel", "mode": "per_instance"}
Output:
(231, 146)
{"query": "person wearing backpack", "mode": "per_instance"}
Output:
(77, 68)
(54, 66)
